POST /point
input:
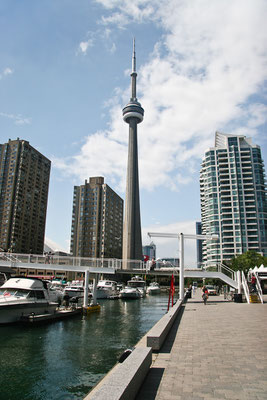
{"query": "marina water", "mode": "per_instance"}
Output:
(64, 360)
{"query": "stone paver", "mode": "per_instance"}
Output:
(217, 351)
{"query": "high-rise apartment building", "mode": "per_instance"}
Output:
(233, 198)
(97, 221)
(199, 244)
(24, 182)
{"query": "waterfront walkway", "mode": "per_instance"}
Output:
(217, 351)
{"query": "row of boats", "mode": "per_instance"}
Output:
(21, 296)
(135, 289)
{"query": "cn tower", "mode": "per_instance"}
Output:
(133, 114)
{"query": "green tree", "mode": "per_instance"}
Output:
(247, 260)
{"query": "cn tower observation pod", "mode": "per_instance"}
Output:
(133, 110)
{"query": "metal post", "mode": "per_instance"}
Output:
(86, 283)
(181, 282)
(238, 275)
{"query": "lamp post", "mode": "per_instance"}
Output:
(182, 236)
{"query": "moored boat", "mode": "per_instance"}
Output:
(20, 297)
(106, 289)
(153, 288)
(134, 289)
(74, 289)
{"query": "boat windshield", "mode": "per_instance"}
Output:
(22, 293)
(14, 292)
(133, 284)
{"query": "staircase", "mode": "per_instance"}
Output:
(254, 298)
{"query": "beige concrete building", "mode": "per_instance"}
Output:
(97, 221)
(24, 182)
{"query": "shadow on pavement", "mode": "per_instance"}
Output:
(152, 382)
(167, 345)
(153, 379)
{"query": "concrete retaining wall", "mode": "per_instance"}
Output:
(157, 334)
(125, 379)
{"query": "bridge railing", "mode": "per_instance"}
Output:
(259, 289)
(245, 286)
(220, 267)
(227, 271)
(50, 259)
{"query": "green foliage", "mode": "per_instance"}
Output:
(247, 260)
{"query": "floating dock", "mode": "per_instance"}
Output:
(91, 308)
(58, 315)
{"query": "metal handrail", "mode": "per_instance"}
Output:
(259, 290)
(245, 286)
(220, 267)
(9, 257)
(50, 259)
(231, 271)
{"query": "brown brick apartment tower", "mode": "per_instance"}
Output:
(24, 182)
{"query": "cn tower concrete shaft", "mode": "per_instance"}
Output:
(132, 240)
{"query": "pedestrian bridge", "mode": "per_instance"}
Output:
(53, 265)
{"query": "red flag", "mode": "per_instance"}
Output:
(171, 293)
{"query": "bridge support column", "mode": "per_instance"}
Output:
(181, 277)
(95, 289)
(239, 282)
(86, 283)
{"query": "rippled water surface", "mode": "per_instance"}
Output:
(64, 360)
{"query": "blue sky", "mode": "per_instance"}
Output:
(64, 78)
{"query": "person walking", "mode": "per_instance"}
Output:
(205, 294)
(253, 283)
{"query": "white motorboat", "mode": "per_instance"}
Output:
(56, 290)
(24, 296)
(134, 289)
(74, 289)
(130, 293)
(153, 288)
(106, 289)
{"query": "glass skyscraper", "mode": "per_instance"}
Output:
(233, 198)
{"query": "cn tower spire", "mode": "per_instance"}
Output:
(133, 74)
(133, 114)
(134, 58)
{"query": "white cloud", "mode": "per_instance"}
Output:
(113, 48)
(128, 10)
(84, 46)
(18, 119)
(98, 156)
(7, 71)
(204, 70)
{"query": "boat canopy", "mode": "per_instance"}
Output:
(23, 283)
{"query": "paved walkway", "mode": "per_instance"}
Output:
(217, 351)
